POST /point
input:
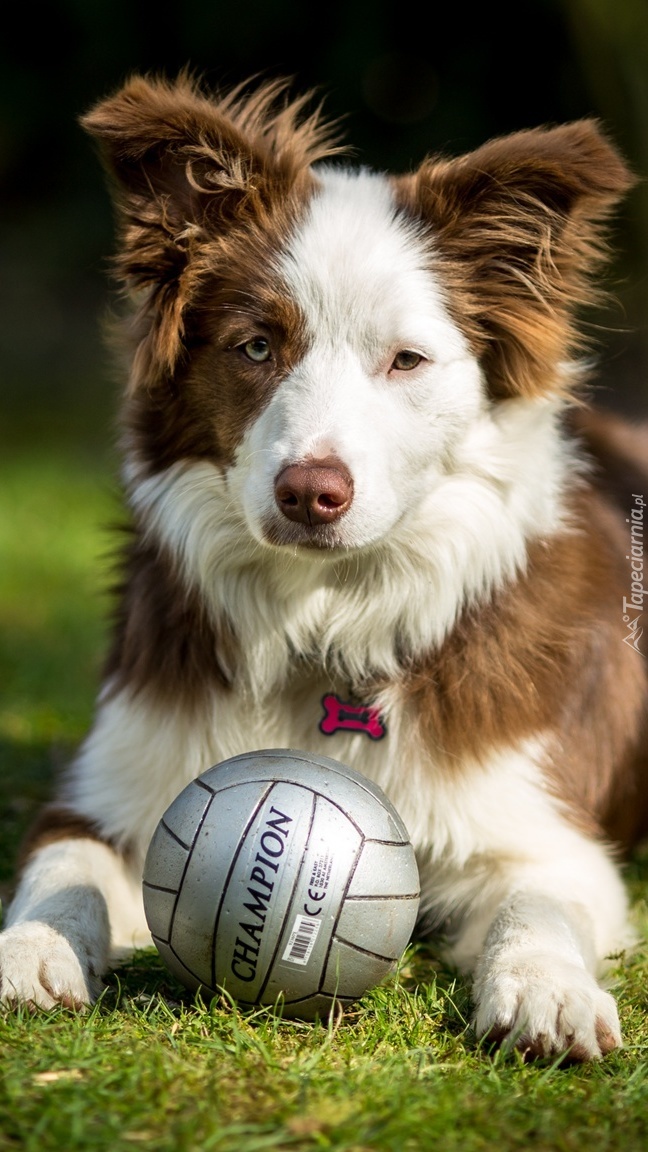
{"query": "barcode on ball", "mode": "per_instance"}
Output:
(302, 940)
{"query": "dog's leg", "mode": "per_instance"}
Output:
(77, 903)
(535, 955)
(535, 985)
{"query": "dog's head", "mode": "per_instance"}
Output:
(335, 342)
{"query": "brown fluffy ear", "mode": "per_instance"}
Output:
(519, 226)
(184, 168)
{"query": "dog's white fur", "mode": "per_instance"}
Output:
(449, 491)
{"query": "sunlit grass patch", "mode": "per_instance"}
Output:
(54, 543)
(152, 1066)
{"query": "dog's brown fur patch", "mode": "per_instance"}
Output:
(546, 656)
(57, 822)
(164, 643)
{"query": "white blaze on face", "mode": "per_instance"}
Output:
(360, 276)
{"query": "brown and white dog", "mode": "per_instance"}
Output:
(359, 467)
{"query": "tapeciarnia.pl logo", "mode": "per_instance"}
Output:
(633, 605)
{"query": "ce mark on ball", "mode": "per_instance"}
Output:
(316, 897)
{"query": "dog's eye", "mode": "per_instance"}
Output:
(257, 350)
(405, 360)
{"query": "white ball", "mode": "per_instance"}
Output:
(278, 874)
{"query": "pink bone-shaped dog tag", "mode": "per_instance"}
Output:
(358, 718)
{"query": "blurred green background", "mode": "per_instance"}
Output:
(405, 82)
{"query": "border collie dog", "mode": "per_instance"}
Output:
(359, 465)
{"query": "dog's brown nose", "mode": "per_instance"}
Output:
(314, 492)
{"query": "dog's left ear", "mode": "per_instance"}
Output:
(518, 229)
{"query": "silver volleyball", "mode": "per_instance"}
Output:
(283, 878)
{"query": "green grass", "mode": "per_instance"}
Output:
(54, 574)
(153, 1067)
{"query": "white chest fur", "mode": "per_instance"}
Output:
(140, 755)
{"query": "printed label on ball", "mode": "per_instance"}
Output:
(319, 892)
(302, 940)
(318, 883)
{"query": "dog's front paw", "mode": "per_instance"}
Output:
(40, 968)
(545, 1006)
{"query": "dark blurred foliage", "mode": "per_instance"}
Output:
(405, 82)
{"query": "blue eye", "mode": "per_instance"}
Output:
(257, 349)
(404, 361)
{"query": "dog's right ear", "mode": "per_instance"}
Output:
(520, 226)
(184, 169)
